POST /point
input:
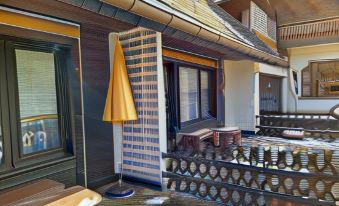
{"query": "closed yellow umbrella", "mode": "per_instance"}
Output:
(119, 108)
(119, 102)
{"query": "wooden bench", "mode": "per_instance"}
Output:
(49, 193)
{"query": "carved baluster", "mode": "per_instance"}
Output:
(235, 153)
(183, 167)
(332, 160)
(202, 170)
(260, 156)
(213, 192)
(246, 153)
(202, 189)
(289, 157)
(213, 172)
(193, 169)
(183, 186)
(193, 187)
(319, 160)
(304, 161)
(274, 157)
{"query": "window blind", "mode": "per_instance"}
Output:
(189, 94)
(36, 83)
(205, 94)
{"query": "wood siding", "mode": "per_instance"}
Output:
(98, 134)
(96, 22)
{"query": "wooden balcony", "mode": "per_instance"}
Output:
(327, 30)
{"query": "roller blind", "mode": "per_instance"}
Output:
(36, 83)
(37, 100)
(189, 94)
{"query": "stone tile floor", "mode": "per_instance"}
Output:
(209, 151)
(146, 197)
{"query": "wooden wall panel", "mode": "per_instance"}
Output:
(98, 134)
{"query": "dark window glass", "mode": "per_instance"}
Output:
(37, 101)
(295, 81)
(1, 142)
(205, 94)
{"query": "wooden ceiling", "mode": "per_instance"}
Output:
(287, 11)
(295, 11)
(235, 7)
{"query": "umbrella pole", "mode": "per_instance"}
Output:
(121, 154)
(120, 190)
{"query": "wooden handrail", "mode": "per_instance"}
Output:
(325, 28)
(39, 117)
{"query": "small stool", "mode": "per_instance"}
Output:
(226, 136)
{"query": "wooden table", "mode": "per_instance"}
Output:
(226, 136)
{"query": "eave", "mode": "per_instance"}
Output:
(164, 14)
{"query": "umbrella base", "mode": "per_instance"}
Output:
(119, 190)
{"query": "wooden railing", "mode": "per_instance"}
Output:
(295, 171)
(325, 28)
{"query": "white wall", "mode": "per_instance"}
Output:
(299, 58)
(242, 91)
(162, 102)
(240, 94)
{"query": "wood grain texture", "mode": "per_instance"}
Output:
(96, 67)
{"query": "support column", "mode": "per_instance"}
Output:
(256, 96)
(221, 93)
(284, 94)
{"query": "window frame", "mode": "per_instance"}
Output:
(4, 113)
(308, 67)
(61, 52)
(176, 65)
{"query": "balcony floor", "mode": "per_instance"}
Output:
(144, 196)
(209, 151)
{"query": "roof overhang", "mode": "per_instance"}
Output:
(164, 14)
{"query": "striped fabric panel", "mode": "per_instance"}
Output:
(141, 148)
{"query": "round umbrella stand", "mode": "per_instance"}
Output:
(119, 190)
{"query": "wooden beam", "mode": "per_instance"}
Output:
(38, 23)
(189, 58)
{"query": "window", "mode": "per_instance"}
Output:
(195, 94)
(36, 90)
(321, 79)
(37, 101)
(295, 81)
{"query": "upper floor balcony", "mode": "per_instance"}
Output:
(309, 33)
(258, 16)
